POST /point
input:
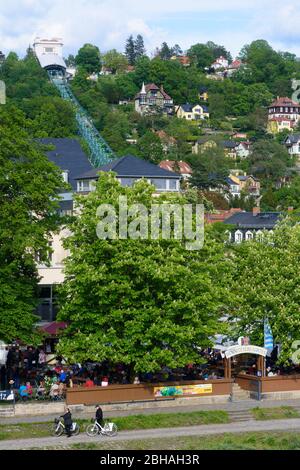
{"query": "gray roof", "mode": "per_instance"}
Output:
(49, 60)
(69, 156)
(229, 144)
(294, 138)
(130, 166)
(188, 108)
(246, 220)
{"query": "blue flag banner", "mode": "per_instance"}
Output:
(269, 343)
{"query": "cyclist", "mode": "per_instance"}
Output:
(68, 422)
(99, 415)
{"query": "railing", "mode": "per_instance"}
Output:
(101, 153)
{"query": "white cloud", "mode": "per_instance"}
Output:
(108, 23)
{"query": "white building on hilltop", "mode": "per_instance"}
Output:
(50, 53)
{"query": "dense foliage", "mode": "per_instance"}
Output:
(146, 303)
(28, 87)
(28, 198)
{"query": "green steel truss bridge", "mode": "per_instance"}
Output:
(100, 152)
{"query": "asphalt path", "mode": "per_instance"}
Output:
(288, 425)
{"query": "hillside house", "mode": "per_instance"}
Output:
(179, 167)
(192, 112)
(283, 114)
(251, 225)
(152, 100)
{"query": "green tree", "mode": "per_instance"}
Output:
(130, 50)
(165, 52)
(210, 169)
(269, 160)
(115, 61)
(201, 55)
(139, 302)
(139, 48)
(150, 147)
(266, 283)
(89, 58)
(29, 184)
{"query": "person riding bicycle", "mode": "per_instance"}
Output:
(99, 415)
(68, 422)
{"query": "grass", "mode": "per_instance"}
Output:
(282, 412)
(170, 420)
(32, 430)
(245, 441)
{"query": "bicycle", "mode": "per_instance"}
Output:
(58, 429)
(109, 429)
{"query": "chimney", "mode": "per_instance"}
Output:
(255, 211)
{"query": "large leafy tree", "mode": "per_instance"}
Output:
(266, 284)
(115, 61)
(269, 160)
(210, 169)
(201, 55)
(28, 199)
(146, 303)
(89, 58)
(150, 147)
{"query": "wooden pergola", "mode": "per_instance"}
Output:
(239, 350)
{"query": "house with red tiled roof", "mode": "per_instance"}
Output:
(152, 100)
(284, 113)
(234, 67)
(179, 167)
(184, 60)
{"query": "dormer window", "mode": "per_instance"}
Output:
(83, 186)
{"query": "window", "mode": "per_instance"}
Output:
(65, 175)
(49, 50)
(173, 185)
(159, 183)
(238, 236)
(128, 181)
(83, 185)
(47, 308)
(249, 236)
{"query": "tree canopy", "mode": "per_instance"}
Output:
(139, 302)
(29, 184)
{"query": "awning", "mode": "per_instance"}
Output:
(53, 328)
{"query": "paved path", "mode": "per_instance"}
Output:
(235, 406)
(288, 425)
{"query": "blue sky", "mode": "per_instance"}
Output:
(108, 23)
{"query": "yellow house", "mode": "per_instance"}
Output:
(192, 112)
(203, 93)
(201, 145)
(277, 125)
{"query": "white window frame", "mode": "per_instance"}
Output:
(238, 236)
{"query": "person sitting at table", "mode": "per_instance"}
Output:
(104, 382)
(29, 389)
(89, 383)
(54, 391)
(23, 392)
(41, 390)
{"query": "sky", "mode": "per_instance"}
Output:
(107, 23)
